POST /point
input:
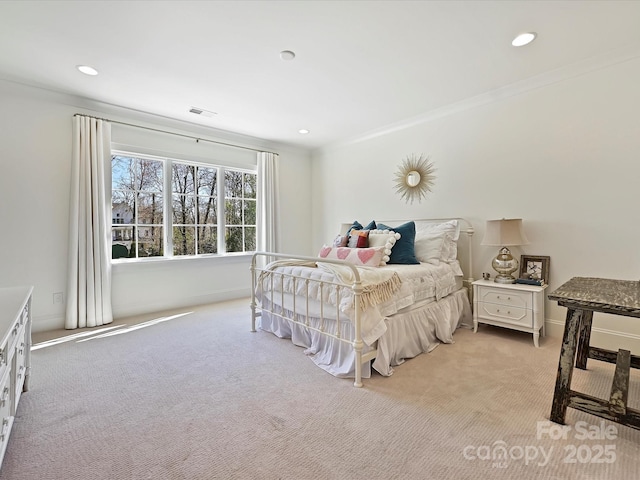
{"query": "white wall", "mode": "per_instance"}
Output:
(569, 151)
(563, 157)
(35, 155)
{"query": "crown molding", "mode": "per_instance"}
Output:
(583, 67)
(98, 108)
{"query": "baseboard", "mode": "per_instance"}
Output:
(46, 323)
(122, 311)
(602, 337)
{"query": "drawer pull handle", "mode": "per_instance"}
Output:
(3, 433)
(5, 424)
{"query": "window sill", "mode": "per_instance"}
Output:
(226, 258)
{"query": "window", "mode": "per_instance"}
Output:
(168, 208)
(137, 206)
(240, 211)
(195, 219)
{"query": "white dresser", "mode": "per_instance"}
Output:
(15, 355)
(509, 305)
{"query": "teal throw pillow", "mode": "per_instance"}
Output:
(403, 252)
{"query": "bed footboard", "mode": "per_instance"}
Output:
(288, 297)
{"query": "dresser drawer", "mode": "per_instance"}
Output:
(6, 418)
(504, 297)
(506, 313)
(24, 317)
(20, 367)
(15, 355)
(16, 331)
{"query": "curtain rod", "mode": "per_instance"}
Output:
(197, 139)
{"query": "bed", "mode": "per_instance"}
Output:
(369, 304)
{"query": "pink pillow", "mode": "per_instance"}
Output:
(371, 257)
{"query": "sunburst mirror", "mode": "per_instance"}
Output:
(414, 178)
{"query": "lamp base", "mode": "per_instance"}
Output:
(504, 279)
(505, 265)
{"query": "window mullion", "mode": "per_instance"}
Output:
(168, 209)
(243, 205)
(196, 202)
(222, 248)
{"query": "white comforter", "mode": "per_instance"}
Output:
(417, 283)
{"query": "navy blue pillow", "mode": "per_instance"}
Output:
(403, 252)
(356, 225)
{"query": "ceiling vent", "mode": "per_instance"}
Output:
(202, 111)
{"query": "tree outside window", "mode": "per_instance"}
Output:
(137, 204)
(240, 211)
(194, 218)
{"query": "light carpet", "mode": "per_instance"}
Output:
(192, 394)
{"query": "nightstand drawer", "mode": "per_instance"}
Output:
(506, 313)
(505, 297)
(514, 306)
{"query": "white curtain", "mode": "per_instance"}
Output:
(89, 267)
(267, 214)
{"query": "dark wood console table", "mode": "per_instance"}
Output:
(583, 296)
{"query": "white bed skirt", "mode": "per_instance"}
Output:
(410, 332)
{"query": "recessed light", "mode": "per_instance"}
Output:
(303, 131)
(287, 55)
(523, 39)
(87, 70)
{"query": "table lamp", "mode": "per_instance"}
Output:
(504, 233)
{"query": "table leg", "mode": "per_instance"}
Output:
(584, 339)
(565, 366)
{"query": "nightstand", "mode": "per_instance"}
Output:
(509, 305)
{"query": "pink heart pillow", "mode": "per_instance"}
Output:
(371, 256)
(365, 254)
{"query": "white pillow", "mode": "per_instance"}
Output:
(383, 238)
(370, 256)
(450, 229)
(429, 247)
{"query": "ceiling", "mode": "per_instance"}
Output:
(360, 66)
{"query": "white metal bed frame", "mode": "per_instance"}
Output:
(356, 290)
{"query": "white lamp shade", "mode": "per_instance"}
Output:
(504, 233)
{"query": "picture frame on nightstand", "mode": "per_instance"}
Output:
(535, 267)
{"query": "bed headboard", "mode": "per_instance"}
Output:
(465, 243)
